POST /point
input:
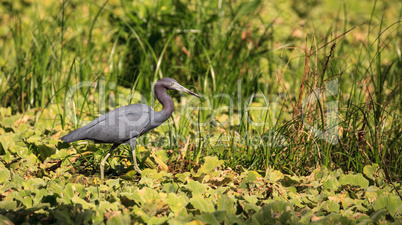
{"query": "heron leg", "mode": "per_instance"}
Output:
(102, 164)
(132, 144)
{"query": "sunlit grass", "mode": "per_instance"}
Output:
(301, 103)
(228, 52)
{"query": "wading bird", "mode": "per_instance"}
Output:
(125, 124)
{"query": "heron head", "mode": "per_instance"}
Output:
(172, 84)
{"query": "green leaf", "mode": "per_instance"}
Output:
(252, 176)
(27, 200)
(56, 188)
(226, 204)
(44, 151)
(289, 181)
(225, 217)
(131, 173)
(196, 187)
(68, 191)
(8, 204)
(144, 195)
(369, 170)
(274, 213)
(398, 213)
(119, 218)
(354, 180)
(183, 177)
(274, 176)
(5, 112)
(85, 204)
(390, 202)
(202, 204)
(108, 206)
(377, 215)
(113, 183)
(150, 176)
(36, 140)
(170, 187)
(330, 206)
(177, 202)
(208, 218)
(157, 220)
(332, 184)
(6, 141)
(141, 214)
(319, 173)
(250, 208)
(252, 199)
(39, 206)
(211, 162)
(4, 175)
(334, 218)
(306, 216)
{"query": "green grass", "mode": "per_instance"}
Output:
(228, 53)
(256, 63)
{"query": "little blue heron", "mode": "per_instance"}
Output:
(125, 124)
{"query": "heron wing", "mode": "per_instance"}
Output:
(116, 126)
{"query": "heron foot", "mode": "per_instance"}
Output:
(137, 169)
(135, 164)
(102, 166)
(132, 144)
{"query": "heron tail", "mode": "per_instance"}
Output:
(72, 136)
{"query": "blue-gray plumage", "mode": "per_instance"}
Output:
(125, 124)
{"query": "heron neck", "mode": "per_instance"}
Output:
(165, 100)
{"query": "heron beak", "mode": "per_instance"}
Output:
(178, 87)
